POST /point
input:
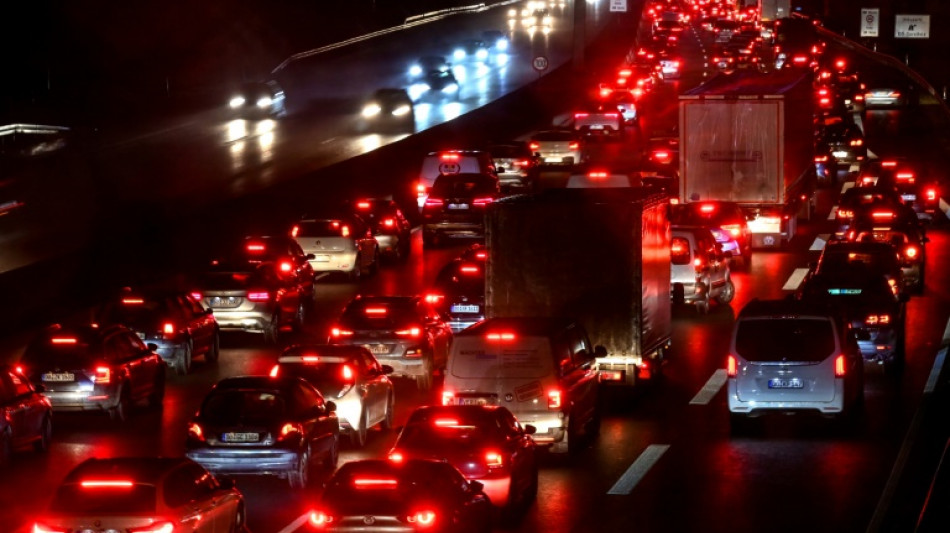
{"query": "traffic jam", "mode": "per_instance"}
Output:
(571, 274)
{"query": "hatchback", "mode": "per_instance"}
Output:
(789, 356)
(262, 425)
(404, 332)
(456, 207)
(339, 244)
(389, 110)
(29, 419)
(390, 227)
(143, 495)
(351, 377)
(727, 222)
(558, 147)
(699, 272)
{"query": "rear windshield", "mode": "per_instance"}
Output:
(457, 437)
(43, 352)
(236, 281)
(519, 359)
(785, 339)
(873, 262)
(73, 498)
(554, 136)
(373, 316)
(243, 407)
(679, 251)
(143, 314)
(447, 186)
(322, 228)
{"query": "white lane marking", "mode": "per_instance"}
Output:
(638, 469)
(887, 496)
(846, 185)
(834, 210)
(295, 525)
(795, 279)
(712, 386)
(326, 141)
(820, 242)
(945, 207)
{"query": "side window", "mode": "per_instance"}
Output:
(194, 305)
(180, 488)
(180, 307)
(20, 386)
(581, 350)
(509, 423)
(561, 348)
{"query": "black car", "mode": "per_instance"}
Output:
(29, 419)
(915, 190)
(258, 99)
(374, 495)
(95, 368)
(284, 252)
(857, 201)
(177, 324)
(901, 229)
(844, 141)
(455, 207)
(875, 257)
(485, 442)
(264, 425)
(459, 293)
(389, 109)
(390, 227)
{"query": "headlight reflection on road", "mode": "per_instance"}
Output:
(371, 142)
(460, 73)
(236, 129)
(451, 110)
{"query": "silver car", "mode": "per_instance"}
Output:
(699, 272)
(340, 244)
(791, 356)
(558, 147)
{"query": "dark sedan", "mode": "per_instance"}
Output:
(456, 207)
(389, 110)
(29, 414)
(264, 425)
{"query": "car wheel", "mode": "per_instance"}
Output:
(120, 412)
(214, 352)
(727, 293)
(333, 456)
(183, 361)
(237, 525)
(46, 434)
(300, 316)
(157, 398)
(388, 420)
(272, 331)
(424, 382)
(300, 478)
(357, 271)
(358, 434)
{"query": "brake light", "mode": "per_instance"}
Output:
(422, 518)
(445, 422)
(449, 157)
(362, 205)
(733, 229)
(159, 527)
(906, 177)
(604, 93)
(801, 60)
(274, 371)
(420, 189)
(878, 215)
(389, 223)
(911, 252)
(698, 264)
(554, 399)
(255, 248)
(376, 311)
(433, 298)
(340, 332)
(707, 208)
(133, 301)
(840, 366)
(821, 159)
(597, 175)
(396, 456)
(877, 320)
(290, 430)
(573, 145)
(258, 296)
(319, 519)
(840, 64)
(196, 295)
(858, 142)
(294, 231)
(103, 375)
(64, 340)
(20, 370)
(677, 247)
(345, 231)
(195, 431)
(347, 372)
(845, 213)
(483, 201)
(374, 483)
(732, 366)
(534, 146)
(581, 115)
(106, 484)
(662, 156)
(888, 164)
(413, 332)
(469, 269)
(448, 397)
(433, 202)
(494, 460)
(501, 336)
(624, 73)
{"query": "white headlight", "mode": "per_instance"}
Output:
(371, 110)
(264, 101)
(415, 70)
(401, 110)
(481, 54)
(459, 54)
(450, 89)
(502, 44)
(236, 102)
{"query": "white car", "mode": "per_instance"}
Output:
(558, 147)
(699, 272)
(344, 244)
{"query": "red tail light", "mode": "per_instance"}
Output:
(581, 115)
(422, 519)
(604, 93)
(677, 247)
(413, 332)
(290, 430)
(911, 252)
(698, 264)
(133, 301)
(345, 231)
(554, 399)
(375, 483)
(389, 222)
(930, 194)
(448, 397)
(106, 484)
(574, 145)
(43, 528)
(396, 456)
(707, 208)
(611, 115)
(906, 177)
(103, 375)
(168, 328)
(285, 266)
(845, 213)
(158, 527)
(195, 431)
(338, 332)
(432, 203)
(534, 146)
(840, 366)
(362, 205)
(888, 164)
(501, 336)
(880, 215)
(662, 156)
(294, 231)
(258, 296)
(347, 372)
(433, 298)
(274, 371)
(196, 295)
(732, 366)
(597, 175)
(482, 202)
(420, 189)
(821, 159)
(733, 229)
(494, 459)
(320, 519)
(857, 142)
(19, 369)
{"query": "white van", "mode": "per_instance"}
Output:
(541, 369)
(451, 162)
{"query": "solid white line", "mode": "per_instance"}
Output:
(330, 140)
(295, 525)
(834, 209)
(638, 469)
(795, 279)
(820, 242)
(709, 390)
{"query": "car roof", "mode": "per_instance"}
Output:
(789, 308)
(257, 382)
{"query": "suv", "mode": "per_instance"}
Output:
(459, 292)
(456, 207)
(790, 356)
(517, 167)
(699, 271)
(902, 230)
(447, 162)
(541, 369)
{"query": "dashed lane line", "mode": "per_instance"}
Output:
(638, 469)
(711, 388)
(295, 525)
(820, 242)
(795, 279)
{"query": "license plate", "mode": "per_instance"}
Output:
(377, 348)
(241, 437)
(458, 206)
(59, 376)
(597, 126)
(225, 301)
(473, 401)
(908, 197)
(839, 154)
(792, 383)
(461, 308)
(322, 258)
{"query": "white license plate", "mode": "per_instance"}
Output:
(322, 258)
(781, 383)
(59, 376)
(473, 401)
(839, 154)
(596, 126)
(908, 197)
(377, 348)
(460, 308)
(241, 437)
(458, 206)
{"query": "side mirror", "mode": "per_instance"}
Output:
(600, 351)
(388, 369)
(331, 406)
(475, 486)
(530, 429)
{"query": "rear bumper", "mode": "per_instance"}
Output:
(753, 407)
(246, 461)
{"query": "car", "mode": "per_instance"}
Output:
(261, 425)
(875, 313)
(435, 86)
(350, 376)
(338, 242)
(389, 110)
(726, 221)
(435, 164)
(700, 272)
(543, 369)
(497, 40)
(599, 178)
(876, 257)
(922, 195)
(284, 252)
(857, 200)
(94, 368)
(143, 495)
(427, 64)
(558, 147)
(626, 104)
(459, 292)
(455, 207)
(484, 442)
(515, 165)
(662, 154)
(258, 99)
(29, 414)
(472, 50)
(883, 96)
(172, 320)
(903, 231)
(415, 495)
(844, 141)
(256, 298)
(404, 332)
(390, 227)
(600, 120)
(790, 356)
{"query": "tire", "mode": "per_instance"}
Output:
(183, 361)
(214, 352)
(727, 293)
(333, 456)
(388, 420)
(300, 478)
(157, 398)
(120, 412)
(272, 331)
(240, 518)
(300, 316)
(358, 435)
(357, 271)
(46, 434)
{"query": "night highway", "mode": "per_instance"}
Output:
(157, 201)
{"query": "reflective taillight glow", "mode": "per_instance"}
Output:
(347, 372)
(911, 252)
(340, 332)
(413, 332)
(433, 298)
(482, 201)
(274, 371)
(930, 194)
(258, 296)
(422, 518)
(102, 375)
(396, 456)
(840, 366)
(168, 328)
(877, 320)
(256, 248)
(500, 336)
(196, 295)
(534, 145)
(43, 528)
(64, 340)
(375, 311)
(554, 399)
(195, 431)
(448, 397)
(161, 527)
(574, 145)
(733, 229)
(133, 301)
(732, 366)
(445, 422)
(106, 483)
(320, 519)
(494, 459)
(375, 483)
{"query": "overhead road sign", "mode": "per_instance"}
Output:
(912, 26)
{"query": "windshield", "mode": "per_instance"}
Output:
(763, 340)
(230, 407)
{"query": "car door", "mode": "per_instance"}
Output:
(28, 409)
(202, 324)
(377, 390)
(582, 381)
(310, 410)
(187, 497)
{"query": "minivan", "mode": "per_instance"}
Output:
(541, 369)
